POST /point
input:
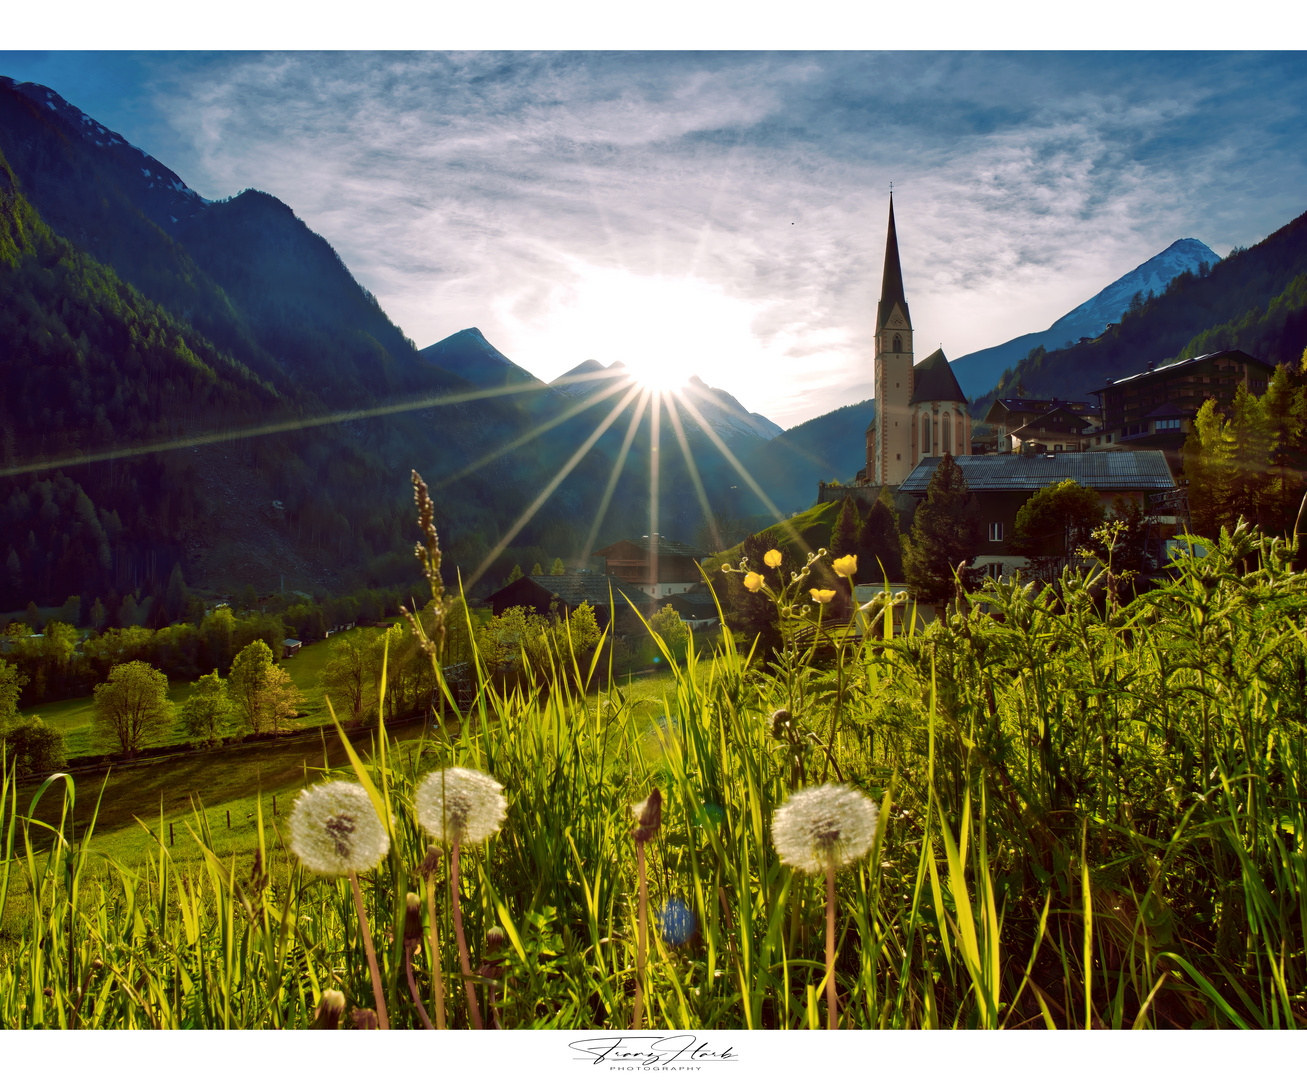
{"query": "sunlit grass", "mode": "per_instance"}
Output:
(1091, 816)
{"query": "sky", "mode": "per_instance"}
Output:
(723, 213)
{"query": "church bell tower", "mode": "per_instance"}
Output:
(889, 438)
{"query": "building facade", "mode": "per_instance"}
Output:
(920, 409)
(655, 565)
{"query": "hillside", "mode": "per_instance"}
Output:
(1246, 282)
(827, 447)
(977, 372)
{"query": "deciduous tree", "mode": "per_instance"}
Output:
(132, 705)
(206, 713)
(1052, 527)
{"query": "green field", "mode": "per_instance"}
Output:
(73, 716)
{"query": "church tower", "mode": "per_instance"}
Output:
(889, 437)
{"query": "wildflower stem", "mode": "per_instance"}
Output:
(383, 1021)
(413, 989)
(832, 1000)
(437, 976)
(474, 1011)
(639, 947)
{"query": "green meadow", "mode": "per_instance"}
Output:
(1090, 816)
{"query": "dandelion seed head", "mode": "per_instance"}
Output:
(460, 806)
(335, 831)
(821, 824)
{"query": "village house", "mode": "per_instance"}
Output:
(562, 594)
(1003, 482)
(656, 565)
(1007, 416)
(1155, 408)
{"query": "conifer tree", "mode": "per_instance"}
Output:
(558, 569)
(844, 537)
(880, 543)
(515, 574)
(945, 534)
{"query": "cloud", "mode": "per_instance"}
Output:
(487, 189)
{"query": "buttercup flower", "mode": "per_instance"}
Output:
(772, 558)
(335, 831)
(845, 566)
(821, 825)
(823, 596)
(752, 581)
(460, 806)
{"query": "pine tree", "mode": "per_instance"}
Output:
(880, 545)
(945, 535)
(536, 570)
(514, 575)
(844, 537)
(558, 569)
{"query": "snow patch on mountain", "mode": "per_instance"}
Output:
(978, 372)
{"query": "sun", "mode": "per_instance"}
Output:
(662, 329)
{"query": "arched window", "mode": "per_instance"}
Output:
(898, 343)
(946, 436)
(925, 436)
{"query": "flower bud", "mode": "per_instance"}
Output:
(412, 918)
(330, 1006)
(648, 816)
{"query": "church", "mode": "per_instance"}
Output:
(921, 411)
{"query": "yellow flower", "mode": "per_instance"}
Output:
(823, 596)
(752, 581)
(772, 558)
(847, 566)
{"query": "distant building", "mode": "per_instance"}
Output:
(1059, 429)
(921, 410)
(1008, 415)
(290, 646)
(655, 565)
(564, 593)
(1003, 482)
(697, 607)
(1155, 409)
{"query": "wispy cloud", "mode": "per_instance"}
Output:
(509, 190)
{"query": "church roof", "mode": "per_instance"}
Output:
(891, 285)
(1122, 470)
(933, 380)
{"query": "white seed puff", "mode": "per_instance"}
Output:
(460, 806)
(819, 825)
(335, 831)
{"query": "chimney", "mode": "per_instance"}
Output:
(1151, 365)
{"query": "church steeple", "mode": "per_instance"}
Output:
(891, 286)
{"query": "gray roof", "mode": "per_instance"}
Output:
(666, 546)
(933, 380)
(575, 587)
(1118, 470)
(1170, 369)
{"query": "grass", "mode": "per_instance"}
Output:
(74, 716)
(1091, 816)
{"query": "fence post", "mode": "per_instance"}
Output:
(229, 819)
(171, 841)
(274, 806)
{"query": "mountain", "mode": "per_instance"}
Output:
(1252, 299)
(720, 411)
(468, 354)
(827, 447)
(977, 372)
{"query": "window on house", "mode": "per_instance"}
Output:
(994, 570)
(995, 531)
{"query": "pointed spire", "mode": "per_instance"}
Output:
(891, 287)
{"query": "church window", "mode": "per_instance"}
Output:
(925, 436)
(946, 443)
(898, 343)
